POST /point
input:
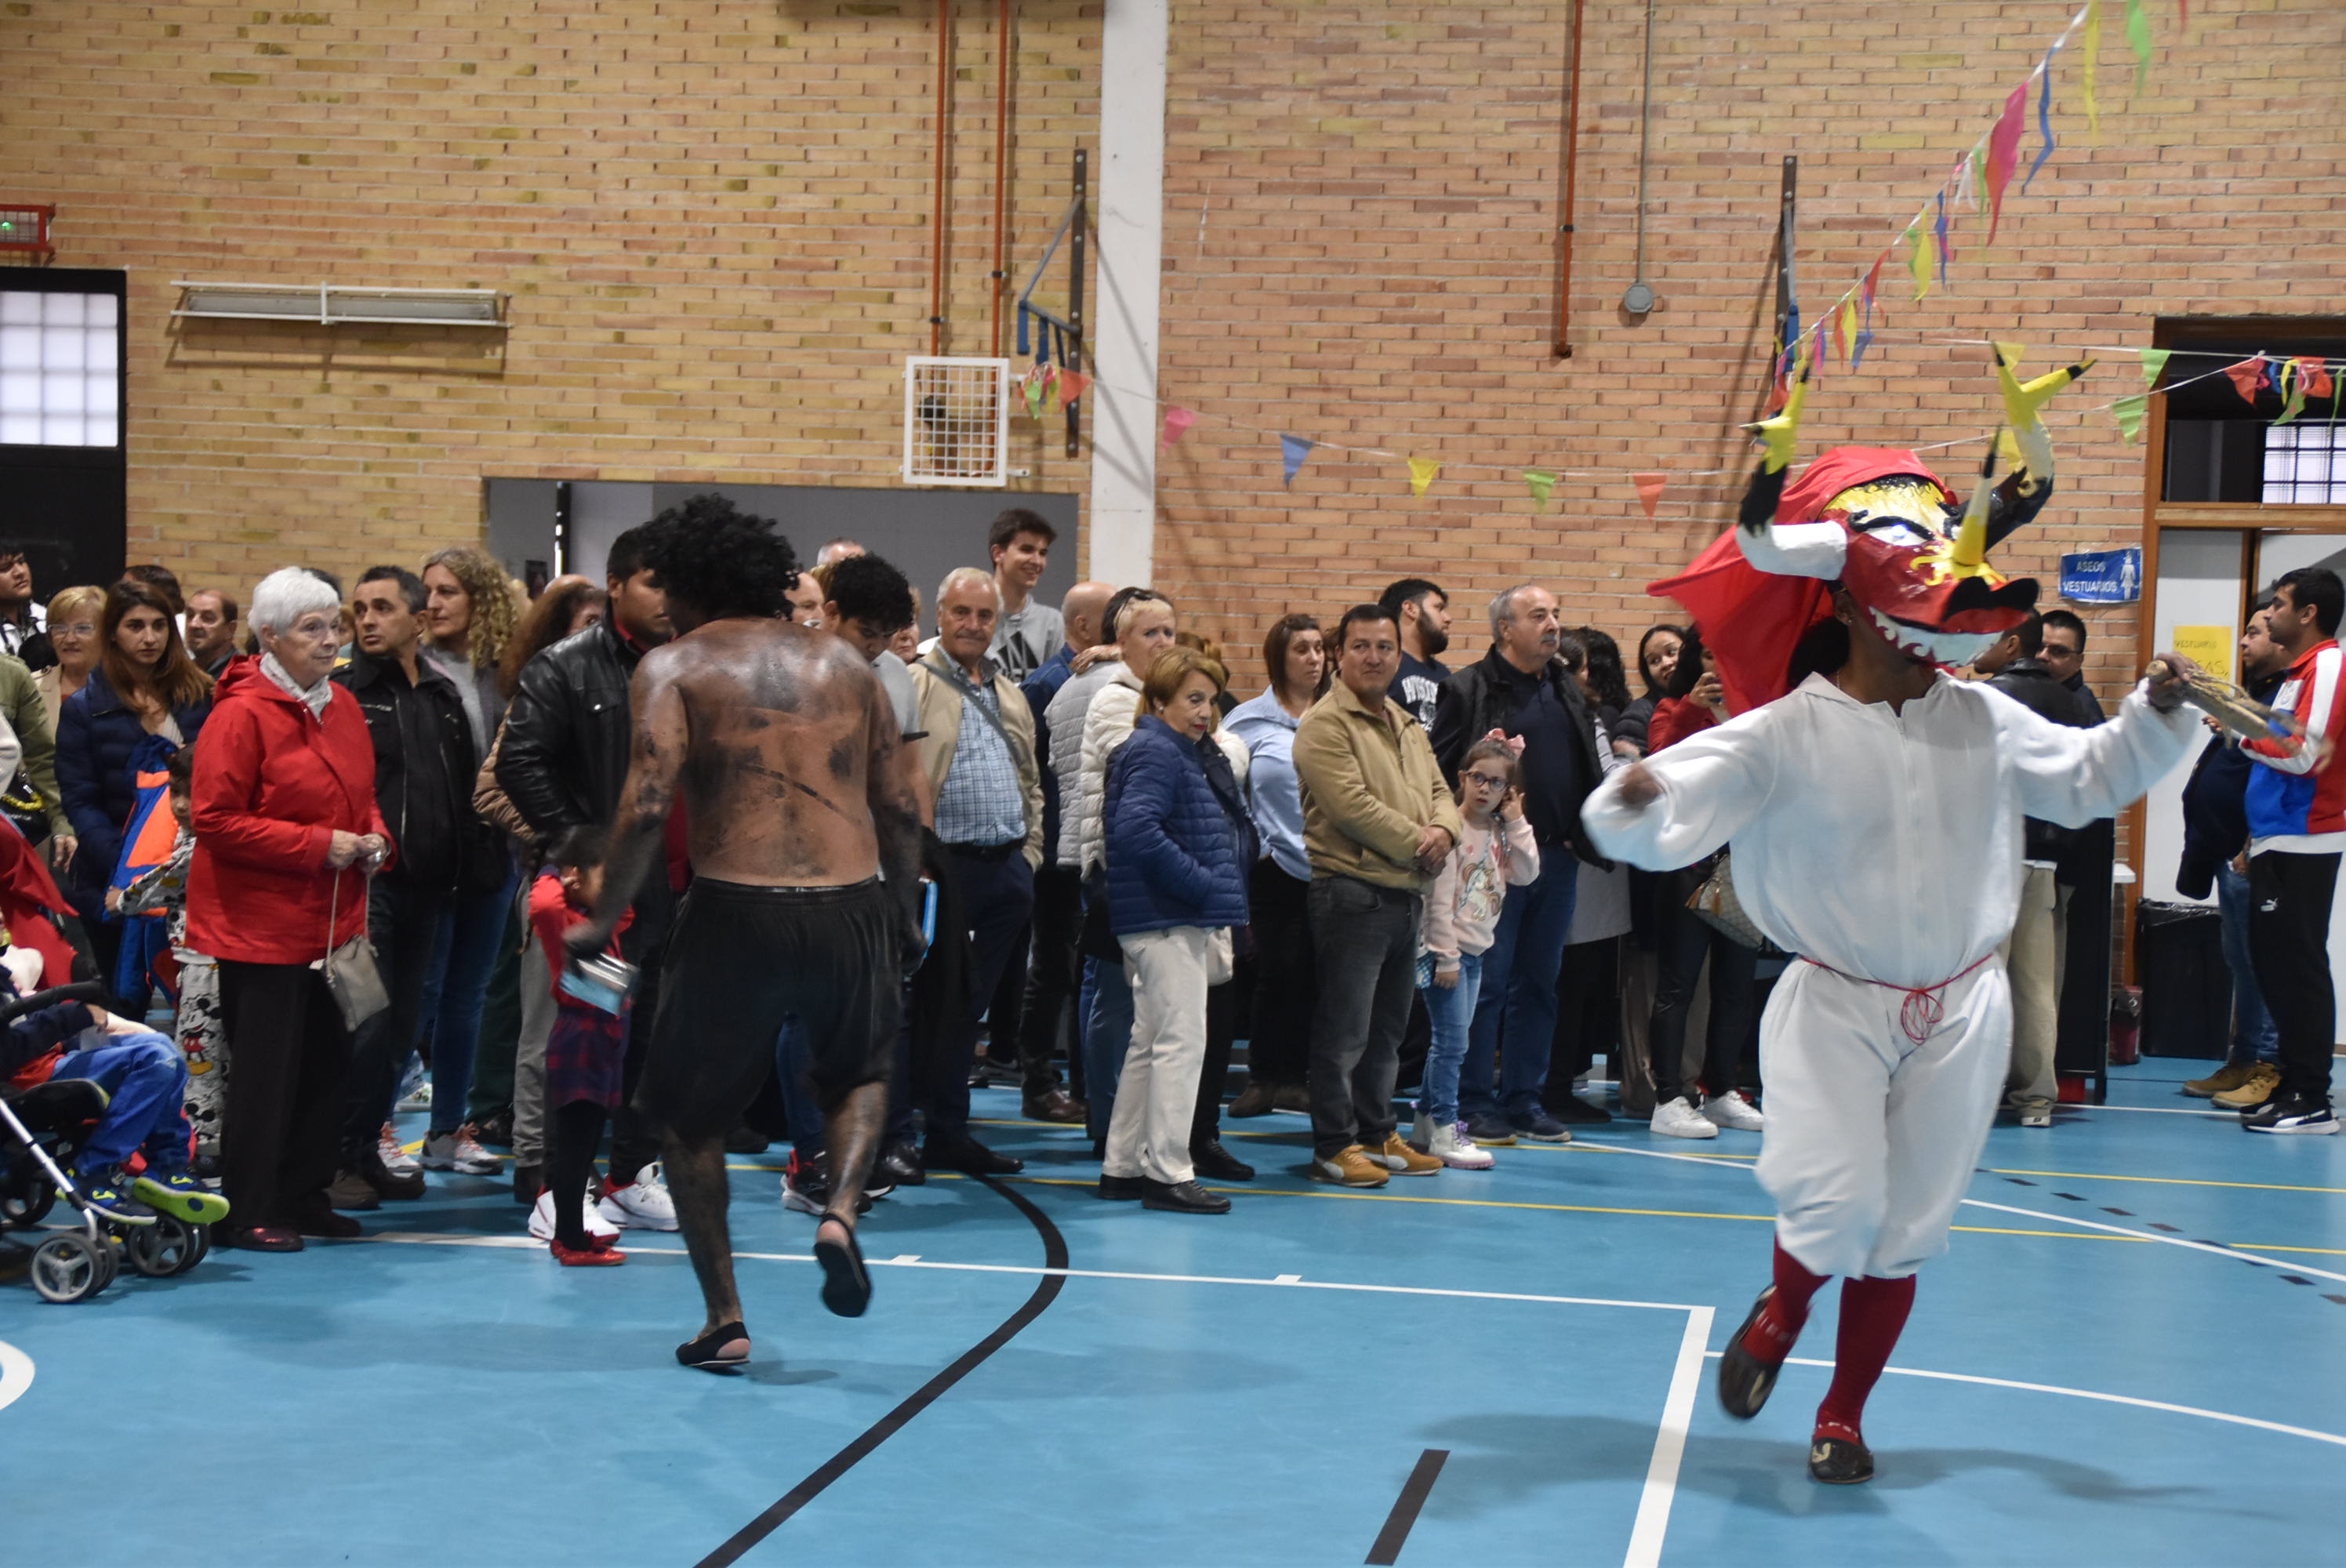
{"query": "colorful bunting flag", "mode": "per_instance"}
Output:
(2093, 57)
(1038, 382)
(2128, 412)
(1873, 281)
(1857, 353)
(2138, 39)
(1541, 482)
(2318, 377)
(1292, 450)
(1422, 471)
(1177, 422)
(2293, 391)
(1917, 262)
(1847, 328)
(1649, 490)
(2003, 154)
(2154, 362)
(2043, 117)
(1946, 248)
(1071, 386)
(2247, 377)
(1817, 352)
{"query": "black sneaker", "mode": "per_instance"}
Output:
(1537, 1126)
(2289, 1113)
(1215, 1163)
(1837, 1461)
(1745, 1380)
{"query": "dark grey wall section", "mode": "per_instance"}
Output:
(927, 533)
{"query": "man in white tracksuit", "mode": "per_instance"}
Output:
(1875, 818)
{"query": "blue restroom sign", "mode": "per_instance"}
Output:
(2102, 576)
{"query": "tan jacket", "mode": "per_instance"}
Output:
(937, 689)
(1369, 789)
(33, 718)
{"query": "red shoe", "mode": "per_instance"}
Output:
(592, 1258)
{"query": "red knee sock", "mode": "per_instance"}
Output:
(1780, 1321)
(1872, 1315)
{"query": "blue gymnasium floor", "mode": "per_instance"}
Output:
(2081, 1386)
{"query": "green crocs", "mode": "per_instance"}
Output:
(182, 1194)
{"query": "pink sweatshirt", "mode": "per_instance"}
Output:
(1461, 908)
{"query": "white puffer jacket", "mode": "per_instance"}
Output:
(1063, 716)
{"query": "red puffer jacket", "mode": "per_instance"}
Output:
(271, 785)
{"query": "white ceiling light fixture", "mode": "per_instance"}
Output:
(338, 304)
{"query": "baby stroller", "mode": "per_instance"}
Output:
(40, 1129)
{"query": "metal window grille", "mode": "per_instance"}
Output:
(60, 369)
(957, 422)
(2305, 464)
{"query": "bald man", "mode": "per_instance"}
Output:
(1052, 968)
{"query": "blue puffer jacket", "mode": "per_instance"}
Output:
(97, 734)
(1173, 854)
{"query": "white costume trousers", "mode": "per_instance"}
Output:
(1873, 1136)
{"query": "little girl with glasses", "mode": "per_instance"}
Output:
(1462, 916)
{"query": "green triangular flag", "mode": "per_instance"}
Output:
(2138, 24)
(2154, 364)
(1541, 481)
(2128, 412)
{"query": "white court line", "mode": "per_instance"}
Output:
(2089, 1394)
(2232, 1252)
(15, 1374)
(1670, 1446)
(2157, 1111)
(1291, 1282)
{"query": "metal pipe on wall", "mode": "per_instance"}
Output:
(1001, 165)
(1571, 170)
(937, 212)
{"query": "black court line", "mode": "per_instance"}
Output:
(1403, 1517)
(1046, 1290)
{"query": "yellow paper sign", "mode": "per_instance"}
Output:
(2211, 647)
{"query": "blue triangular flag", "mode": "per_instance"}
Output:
(2043, 116)
(1292, 450)
(1857, 348)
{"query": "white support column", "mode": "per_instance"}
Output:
(1135, 35)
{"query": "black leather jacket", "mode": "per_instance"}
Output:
(423, 771)
(1478, 700)
(565, 753)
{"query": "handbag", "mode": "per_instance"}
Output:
(350, 971)
(1715, 904)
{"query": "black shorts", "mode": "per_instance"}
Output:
(740, 961)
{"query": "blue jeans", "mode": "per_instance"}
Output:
(2254, 1038)
(145, 1078)
(1518, 1005)
(464, 950)
(1452, 1014)
(1107, 1035)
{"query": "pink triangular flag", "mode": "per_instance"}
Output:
(1649, 490)
(1177, 422)
(1071, 386)
(2247, 377)
(2003, 154)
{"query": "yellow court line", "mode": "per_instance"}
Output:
(2172, 1181)
(2267, 1246)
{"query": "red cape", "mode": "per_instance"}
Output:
(26, 889)
(1751, 620)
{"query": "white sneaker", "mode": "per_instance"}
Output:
(642, 1205)
(1733, 1111)
(1452, 1147)
(395, 1159)
(457, 1152)
(541, 1219)
(1677, 1119)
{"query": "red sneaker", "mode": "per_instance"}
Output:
(592, 1258)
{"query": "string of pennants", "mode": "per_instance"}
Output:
(1978, 181)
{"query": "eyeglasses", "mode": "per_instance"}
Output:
(1487, 780)
(78, 629)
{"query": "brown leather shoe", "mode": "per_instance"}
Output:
(1057, 1108)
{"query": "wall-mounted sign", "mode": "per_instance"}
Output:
(2102, 576)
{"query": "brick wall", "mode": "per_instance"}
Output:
(714, 220)
(1378, 189)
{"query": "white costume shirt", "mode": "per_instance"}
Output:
(1885, 845)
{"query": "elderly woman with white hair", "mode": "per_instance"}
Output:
(287, 833)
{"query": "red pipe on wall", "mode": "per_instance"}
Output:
(1571, 170)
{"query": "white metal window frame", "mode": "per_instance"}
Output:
(975, 451)
(339, 304)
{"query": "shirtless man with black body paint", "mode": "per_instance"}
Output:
(805, 846)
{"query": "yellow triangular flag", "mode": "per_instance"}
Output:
(1422, 471)
(2093, 53)
(1918, 259)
